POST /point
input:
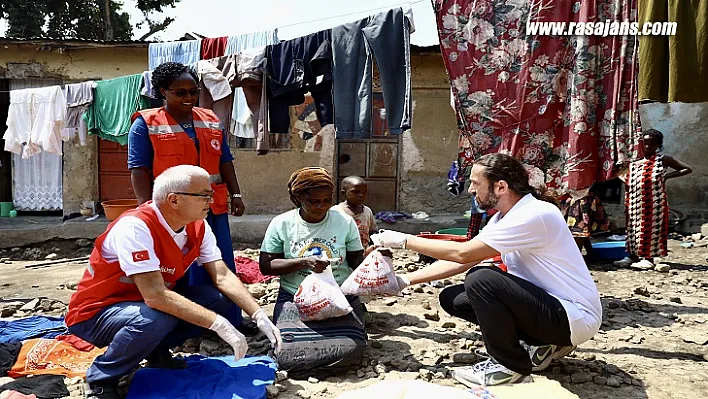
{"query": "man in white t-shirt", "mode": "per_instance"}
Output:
(542, 308)
(130, 298)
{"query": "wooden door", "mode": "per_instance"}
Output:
(113, 173)
(376, 159)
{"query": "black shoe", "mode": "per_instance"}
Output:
(107, 390)
(164, 360)
(248, 328)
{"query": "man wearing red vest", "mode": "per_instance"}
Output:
(130, 298)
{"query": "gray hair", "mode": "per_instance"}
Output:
(175, 179)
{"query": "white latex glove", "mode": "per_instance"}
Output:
(403, 281)
(390, 238)
(269, 329)
(230, 334)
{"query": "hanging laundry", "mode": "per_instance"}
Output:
(115, 101)
(213, 47)
(35, 121)
(8, 356)
(31, 327)
(53, 356)
(673, 67)
(244, 70)
(386, 38)
(78, 98)
(184, 52)
(43, 386)
(206, 378)
(564, 105)
(247, 41)
(244, 123)
(295, 67)
(146, 91)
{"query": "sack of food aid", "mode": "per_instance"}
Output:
(375, 276)
(319, 297)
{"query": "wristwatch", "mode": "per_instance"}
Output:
(236, 196)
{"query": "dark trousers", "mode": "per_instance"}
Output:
(508, 309)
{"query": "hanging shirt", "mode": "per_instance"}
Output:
(35, 121)
(253, 47)
(184, 52)
(115, 101)
(78, 98)
(213, 47)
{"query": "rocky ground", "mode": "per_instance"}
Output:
(653, 342)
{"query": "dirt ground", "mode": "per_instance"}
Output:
(653, 342)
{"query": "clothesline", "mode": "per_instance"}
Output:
(346, 14)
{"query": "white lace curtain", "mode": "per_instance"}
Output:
(37, 180)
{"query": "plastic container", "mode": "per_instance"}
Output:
(456, 231)
(609, 250)
(5, 208)
(114, 208)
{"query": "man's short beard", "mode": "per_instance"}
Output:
(488, 203)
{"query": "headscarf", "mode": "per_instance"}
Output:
(307, 179)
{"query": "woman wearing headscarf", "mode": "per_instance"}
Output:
(296, 244)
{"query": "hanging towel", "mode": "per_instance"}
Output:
(213, 47)
(206, 378)
(35, 121)
(53, 356)
(674, 68)
(31, 327)
(238, 43)
(115, 101)
(184, 52)
(78, 98)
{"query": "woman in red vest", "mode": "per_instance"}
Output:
(181, 133)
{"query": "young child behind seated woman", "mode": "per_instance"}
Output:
(355, 189)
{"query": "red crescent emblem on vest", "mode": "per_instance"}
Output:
(216, 145)
(140, 256)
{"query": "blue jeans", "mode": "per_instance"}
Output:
(385, 37)
(197, 275)
(133, 330)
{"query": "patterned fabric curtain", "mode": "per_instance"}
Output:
(564, 105)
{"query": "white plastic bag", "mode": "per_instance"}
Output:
(319, 297)
(375, 276)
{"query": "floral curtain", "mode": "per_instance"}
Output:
(564, 105)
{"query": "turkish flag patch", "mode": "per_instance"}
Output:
(139, 256)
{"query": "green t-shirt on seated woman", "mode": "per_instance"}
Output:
(331, 238)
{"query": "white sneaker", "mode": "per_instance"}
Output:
(626, 262)
(643, 264)
(542, 356)
(487, 373)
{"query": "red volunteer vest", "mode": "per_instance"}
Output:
(172, 147)
(104, 283)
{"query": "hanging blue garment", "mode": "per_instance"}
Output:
(184, 52)
(206, 378)
(32, 327)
